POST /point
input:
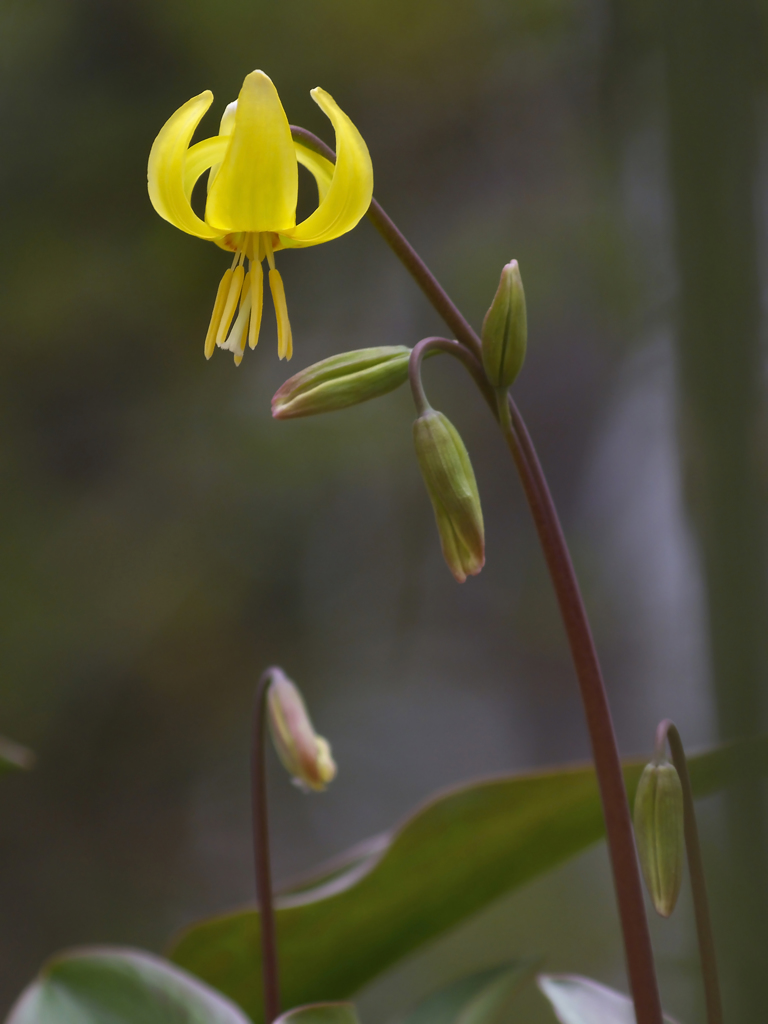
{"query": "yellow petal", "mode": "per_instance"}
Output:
(226, 128)
(200, 157)
(351, 189)
(165, 171)
(257, 184)
(321, 168)
(284, 334)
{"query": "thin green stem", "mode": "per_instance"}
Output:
(269, 964)
(626, 873)
(667, 733)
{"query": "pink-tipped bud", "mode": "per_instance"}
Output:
(342, 380)
(305, 755)
(452, 488)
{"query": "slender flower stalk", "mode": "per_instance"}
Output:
(269, 963)
(667, 733)
(621, 846)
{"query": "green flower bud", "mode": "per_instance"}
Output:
(452, 489)
(659, 834)
(505, 330)
(305, 755)
(343, 380)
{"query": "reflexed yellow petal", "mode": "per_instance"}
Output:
(321, 168)
(351, 189)
(235, 287)
(165, 171)
(218, 309)
(256, 275)
(284, 335)
(226, 128)
(200, 157)
(257, 184)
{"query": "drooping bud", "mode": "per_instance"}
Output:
(305, 755)
(452, 488)
(505, 329)
(659, 834)
(342, 380)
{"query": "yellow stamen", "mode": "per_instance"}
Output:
(267, 240)
(233, 295)
(218, 309)
(256, 276)
(236, 340)
(284, 336)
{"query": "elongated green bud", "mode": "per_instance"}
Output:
(342, 380)
(505, 329)
(659, 834)
(452, 488)
(305, 755)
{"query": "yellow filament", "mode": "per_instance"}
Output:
(284, 336)
(233, 295)
(267, 240)
(218, 309)
(256, 276)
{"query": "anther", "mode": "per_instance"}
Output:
(256, 275)
(284, 336)
(218, 309)
(233, 295)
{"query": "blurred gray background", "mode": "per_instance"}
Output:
(162, 539)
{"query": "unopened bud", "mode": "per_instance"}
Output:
(452, 488)
(305, 755)
(505, 329)
(659, 834)
(342, 380)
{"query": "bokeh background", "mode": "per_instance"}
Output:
(162, 539)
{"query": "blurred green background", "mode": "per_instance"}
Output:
(162, 539)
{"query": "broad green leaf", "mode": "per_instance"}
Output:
(449, 859)
(105, 985)
(14, 757)
(321, 1013)
(577, 1000)
(481, 998)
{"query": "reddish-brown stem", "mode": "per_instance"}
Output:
(621, 846)
(667, 733)
(618, 823)
(269, 966)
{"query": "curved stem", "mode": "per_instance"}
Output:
(269, 964)
(453, 348)
(618, 823)
(667, 732)
(621, 846)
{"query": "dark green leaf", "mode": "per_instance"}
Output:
(14, 757)
(120, 986)
(481, 998)
(577, 1000)
(455, 855)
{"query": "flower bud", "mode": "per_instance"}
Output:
(505, 329)
(342, 380)
(659, 834)
(452, 489)
(305, 755)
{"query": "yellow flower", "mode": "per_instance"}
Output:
(252, 192)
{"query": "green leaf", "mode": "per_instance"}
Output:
(389, 896)
(119, 986)
(481, 998)
(577, 1000)
(14, 757)
(321, 1013)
